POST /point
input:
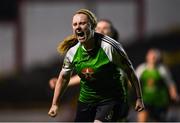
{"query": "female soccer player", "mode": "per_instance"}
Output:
(97, 59)
(104, 27)
(157, 85)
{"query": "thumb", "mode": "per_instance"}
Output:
(52, 113)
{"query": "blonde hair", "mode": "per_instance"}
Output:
(66, 44)
(71, 40)
(91, 16)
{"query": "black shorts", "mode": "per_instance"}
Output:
(108, 111)
(157, 113)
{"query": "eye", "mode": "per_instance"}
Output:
(74, 24)
(82, 23)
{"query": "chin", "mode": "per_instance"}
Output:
(82, 40)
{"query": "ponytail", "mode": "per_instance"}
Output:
(66, 44)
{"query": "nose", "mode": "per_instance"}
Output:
(78, 28)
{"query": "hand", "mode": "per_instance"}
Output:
(173, 94)
(52, 83)
(53, 111)
(139, 105)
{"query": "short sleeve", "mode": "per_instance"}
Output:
(140, 69)
(120, 58)
(166, 75)
(67, 67)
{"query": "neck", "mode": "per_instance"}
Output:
(89, 44)
(150, 65)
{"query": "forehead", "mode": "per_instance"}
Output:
(103, 23)
(152, 52)
(80, 17)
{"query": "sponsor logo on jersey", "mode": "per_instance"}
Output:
(109, 116)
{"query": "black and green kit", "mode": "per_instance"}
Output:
(99, 69)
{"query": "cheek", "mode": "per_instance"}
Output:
(88, 32)
(97, 30)
(109, 31)
(73, 29)
(106, 32)
(100, 30)
(87, 29)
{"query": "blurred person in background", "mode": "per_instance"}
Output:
(97, 59)
(157, 85)
(105, 27)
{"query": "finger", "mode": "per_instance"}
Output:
(140, 109)
(52, 113)
(136, 108)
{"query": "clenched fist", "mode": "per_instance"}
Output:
(53, 111)
(139, 105)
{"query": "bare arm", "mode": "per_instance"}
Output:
(173, 92)
(62, 81)
(60, 87)
(169, 82)
(134, 81)
(75, 80)
(136, 84)
(121, 59)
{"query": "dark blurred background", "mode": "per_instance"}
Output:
(30, 31)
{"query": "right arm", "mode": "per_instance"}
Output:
(60, 87)
(61, 84)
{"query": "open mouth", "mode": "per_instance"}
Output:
(80, 35)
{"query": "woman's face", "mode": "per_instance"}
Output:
(82, 27)
(152, 57)
(104, 27)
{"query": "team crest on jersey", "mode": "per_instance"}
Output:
(88, 72)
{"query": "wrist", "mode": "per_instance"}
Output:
(54, 104)
(139, 97)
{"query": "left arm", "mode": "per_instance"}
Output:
(169, 82)
(121, 59)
